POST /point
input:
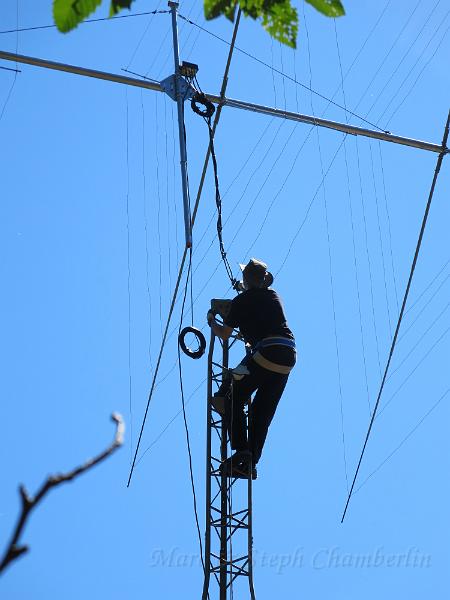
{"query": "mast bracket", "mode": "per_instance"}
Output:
(185, 88)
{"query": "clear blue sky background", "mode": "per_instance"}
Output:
(71, 342)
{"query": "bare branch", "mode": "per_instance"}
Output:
(14, 550)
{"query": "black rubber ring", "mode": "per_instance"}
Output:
(201, 342)
(202, 100)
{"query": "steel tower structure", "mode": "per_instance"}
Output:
(228, 523)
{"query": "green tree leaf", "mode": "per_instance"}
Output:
(118, 5)
(278, 17)
(281, 22)
(69, 13)
(215, 8)
(330, 8)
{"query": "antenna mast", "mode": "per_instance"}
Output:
(180, 95)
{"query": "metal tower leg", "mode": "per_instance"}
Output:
(228, 530)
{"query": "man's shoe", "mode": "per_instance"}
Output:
(238, 465)
(218, 404)
(237, 458)
(241, 471)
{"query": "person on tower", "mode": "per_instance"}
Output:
(258, 313)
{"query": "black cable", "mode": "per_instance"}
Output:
(16, 70)
(386, 206)
(169, 52)
(219, 207)
(380, 237)
(420, 296)
(419, 341)
(147, 254)
(9, 69)
(207, 113)
(141, 39)
(249, 180)
(186, 427)
(127, 207)
(126, 70)
(268, 175)
(278, 193)
(190, 213)
(405, 439)
(402, 310)
(350, 206)
(53, 26)
(174, 192)
(308, 208)
(418, 59)
(413, 370)
(408, 93)
(166, 427)
(187, 38)
(166, 146)
(8, 96)
(419, 314)
(369, 262)
(380, 66)
(158, 193)
(158, 363)
(410, 47)
(330, 264)
(369, 35)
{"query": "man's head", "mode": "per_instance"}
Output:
(255, 274)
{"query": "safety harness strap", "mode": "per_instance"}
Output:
(275, 341)
(271, 366)
(264, 362)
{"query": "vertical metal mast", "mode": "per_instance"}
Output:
(180, 109)
(224, 501)
(228, 527)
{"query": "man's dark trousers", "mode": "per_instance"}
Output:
(270, 387)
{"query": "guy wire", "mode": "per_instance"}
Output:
(405, 439)
(16, 70)
(130, 405)
(402, 310)
(183, 405)
(285, 75)
(352, 224)
(53, 26)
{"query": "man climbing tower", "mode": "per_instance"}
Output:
(259, 315)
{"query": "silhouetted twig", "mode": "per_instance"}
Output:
(14, 549)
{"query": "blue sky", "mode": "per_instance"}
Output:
(75, 333)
